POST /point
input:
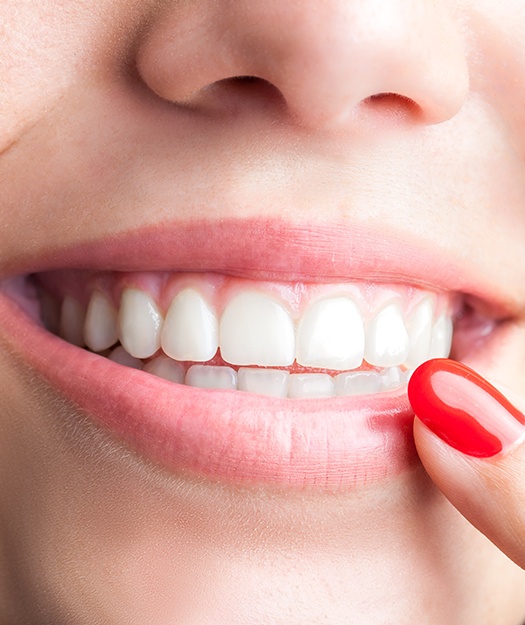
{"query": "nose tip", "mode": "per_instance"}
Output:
(329, 60)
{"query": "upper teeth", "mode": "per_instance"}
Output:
(335, 331)
(331, 334)
(191, 330)
(256, 330)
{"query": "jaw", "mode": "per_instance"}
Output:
(147, 540)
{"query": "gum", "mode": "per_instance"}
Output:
(218, 289)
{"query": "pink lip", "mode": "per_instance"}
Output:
(335, 443)
(269, 249)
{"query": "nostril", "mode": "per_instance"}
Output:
(250, 86)
(237, 93)
(247, 80)
(392, 105)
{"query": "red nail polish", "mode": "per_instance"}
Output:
(463, 409)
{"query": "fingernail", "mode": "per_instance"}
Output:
(463, 409)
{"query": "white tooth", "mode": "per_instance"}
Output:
(357, 383)
(166, 368)
(391, 378)
(256, 330)
(310, 385)
(72, 317)
(386, 338)
(331, 335)
(140, 323)
(419, 329)
(100, 327)
(441, 338)
(190, 330)
(204, 376)
(121, 356)
(263, 381)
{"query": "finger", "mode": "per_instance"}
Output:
(471, 440)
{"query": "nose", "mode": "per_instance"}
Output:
(329, 59)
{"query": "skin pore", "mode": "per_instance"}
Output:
(402, 123)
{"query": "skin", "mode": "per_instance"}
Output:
(110, 111)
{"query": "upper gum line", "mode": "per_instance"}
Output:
(219, 290)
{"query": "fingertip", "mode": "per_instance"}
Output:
(463, 409)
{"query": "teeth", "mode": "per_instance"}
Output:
(271, 382)
(140, 323)
(311, 385)
(256, 330)
(190, 330)
(358, 383)
(263, 381)
(121, 356)
(100, 327)
(204, 376)
(257, 335)
(390, 378)
(72, 318)
(441, 341)
(331, 335)
(386, 338)
(166, 368)
(419, 329)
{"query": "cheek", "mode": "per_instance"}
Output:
(497, 63)
(36, 64)
(85, 525)
(43, 45)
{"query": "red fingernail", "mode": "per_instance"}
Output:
(463, 409)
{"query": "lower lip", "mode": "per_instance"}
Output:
(331, 444)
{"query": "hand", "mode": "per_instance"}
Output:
(471, 440)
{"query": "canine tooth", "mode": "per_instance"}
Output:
(190, 330)
(386, 338)
(263, 381)
(256, 330)
(419, 328)
(100, 326)
(72, 317)
(331, 335)
(140, 323)
(357, 383)
(166, 368)
(310, 385)
(441, 341)
(204, 376)
(391, 378)
(121, 356)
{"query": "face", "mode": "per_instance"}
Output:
(229, 232)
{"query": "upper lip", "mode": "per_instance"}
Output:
(269, 249)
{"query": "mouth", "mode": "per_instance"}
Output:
(292, 340)
(296, 380)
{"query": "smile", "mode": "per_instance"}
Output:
(278, 339)
(246, 379)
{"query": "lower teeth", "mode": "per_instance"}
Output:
(266, 381)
